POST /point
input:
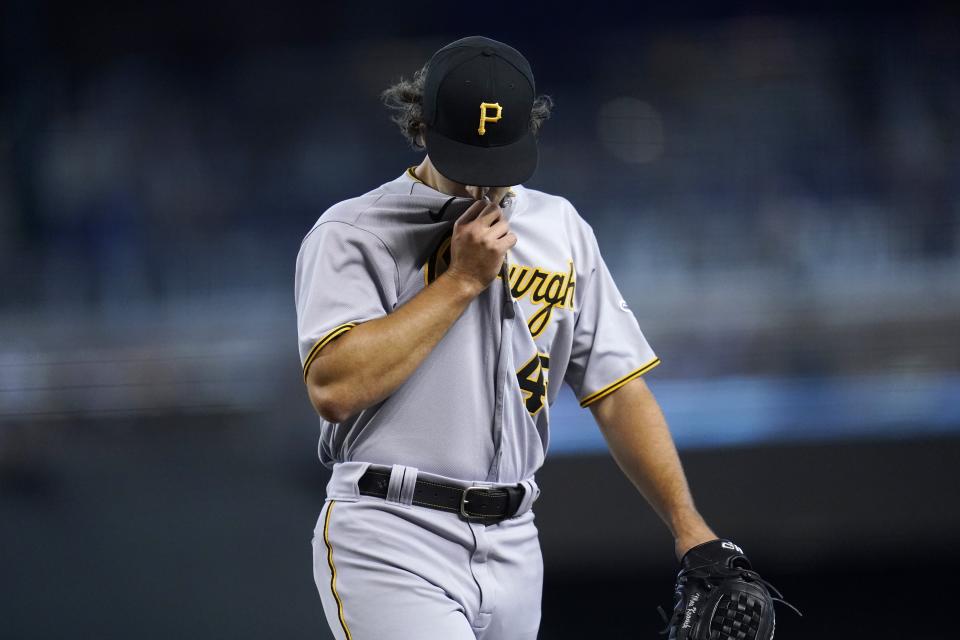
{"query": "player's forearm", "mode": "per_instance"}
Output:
(640, 442)
(372, 360)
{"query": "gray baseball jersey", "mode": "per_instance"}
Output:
(478, 407)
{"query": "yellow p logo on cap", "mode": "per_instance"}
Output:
(485, 117)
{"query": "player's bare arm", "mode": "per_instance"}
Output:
(639, 439)
(368, 363)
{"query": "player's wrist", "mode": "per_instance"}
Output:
(689, 529)
(463, 284)
(685, 543)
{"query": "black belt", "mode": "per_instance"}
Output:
(481, 504)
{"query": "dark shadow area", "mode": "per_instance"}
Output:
(197, 528)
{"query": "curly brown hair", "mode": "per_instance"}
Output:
(405, 101)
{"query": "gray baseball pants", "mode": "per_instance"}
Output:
(388, 570)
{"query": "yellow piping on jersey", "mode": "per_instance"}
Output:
(324, 341)
(616, 384)
(333, 571)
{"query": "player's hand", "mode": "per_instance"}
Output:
(718, 594)
(481, 239)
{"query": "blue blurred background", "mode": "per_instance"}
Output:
(776, 189)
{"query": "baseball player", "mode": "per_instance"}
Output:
(438, 315)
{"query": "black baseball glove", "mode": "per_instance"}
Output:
(720, 597)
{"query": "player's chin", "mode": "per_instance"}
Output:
(475, 192)
(494, 194)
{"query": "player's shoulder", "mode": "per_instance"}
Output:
(350, 216)
(351, 210)
(542, 201)
(560, 212)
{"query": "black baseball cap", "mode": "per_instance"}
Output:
(477, 100)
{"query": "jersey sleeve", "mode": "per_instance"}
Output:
(609, 349)
(345, 275)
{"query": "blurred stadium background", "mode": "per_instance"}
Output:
(776, 189)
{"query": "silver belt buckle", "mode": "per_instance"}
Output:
(464, 501)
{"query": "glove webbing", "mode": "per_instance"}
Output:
(711, 573)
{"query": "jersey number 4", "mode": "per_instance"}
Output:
(533, 382)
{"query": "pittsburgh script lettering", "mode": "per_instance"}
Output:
(547, 289)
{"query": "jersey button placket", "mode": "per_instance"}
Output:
(504, 357)
(508, 311)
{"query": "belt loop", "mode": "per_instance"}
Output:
(530, 494)
(396, 483)
(342, 485)
(409, 486)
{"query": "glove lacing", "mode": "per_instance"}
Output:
(711, 574)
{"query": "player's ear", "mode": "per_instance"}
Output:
(421, 139)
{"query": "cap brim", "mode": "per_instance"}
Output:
(503, 166)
